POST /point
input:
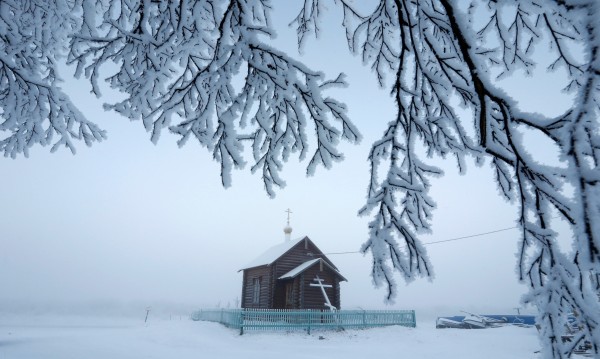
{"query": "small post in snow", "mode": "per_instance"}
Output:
(147, 312)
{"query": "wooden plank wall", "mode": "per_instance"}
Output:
(264, 273)
(273, 290)
(299, 254)
(313, 297)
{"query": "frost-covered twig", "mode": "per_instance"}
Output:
(180, 63)
(412, 41)
(33, 108)
(437, 55)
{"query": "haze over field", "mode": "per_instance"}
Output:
(126, 224)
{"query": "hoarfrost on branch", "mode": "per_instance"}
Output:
(33, 109)
(435, 51)
(204, 70)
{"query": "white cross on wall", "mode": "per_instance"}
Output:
(323, 286)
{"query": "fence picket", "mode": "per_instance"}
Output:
(285, 319)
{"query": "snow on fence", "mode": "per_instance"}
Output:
(285, 319)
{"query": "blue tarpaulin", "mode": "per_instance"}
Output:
(487, 320)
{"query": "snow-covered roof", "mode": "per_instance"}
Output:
(304, 266)
(299, 269)
(271, 254)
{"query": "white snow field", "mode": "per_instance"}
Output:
(106, 338)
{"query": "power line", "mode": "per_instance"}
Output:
(443, 240)
(472, 235)
(342, 252)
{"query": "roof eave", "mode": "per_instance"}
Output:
(335, 270)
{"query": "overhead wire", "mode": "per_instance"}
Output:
(443, 240)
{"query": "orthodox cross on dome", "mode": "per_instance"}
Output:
(288, 211)
(288, 230)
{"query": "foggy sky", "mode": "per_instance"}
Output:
(126, 221)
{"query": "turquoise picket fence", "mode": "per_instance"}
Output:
(284, 319)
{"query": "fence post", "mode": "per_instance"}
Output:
(364, 318)
(287, 320)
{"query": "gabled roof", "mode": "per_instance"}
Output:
(304, 266)
(273, 253)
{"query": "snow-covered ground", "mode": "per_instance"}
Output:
(103, 338)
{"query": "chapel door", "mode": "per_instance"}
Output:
(289, 295)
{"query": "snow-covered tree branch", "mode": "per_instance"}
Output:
(181, 65)
(33, 109)
(445, 56)
(206, 70)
